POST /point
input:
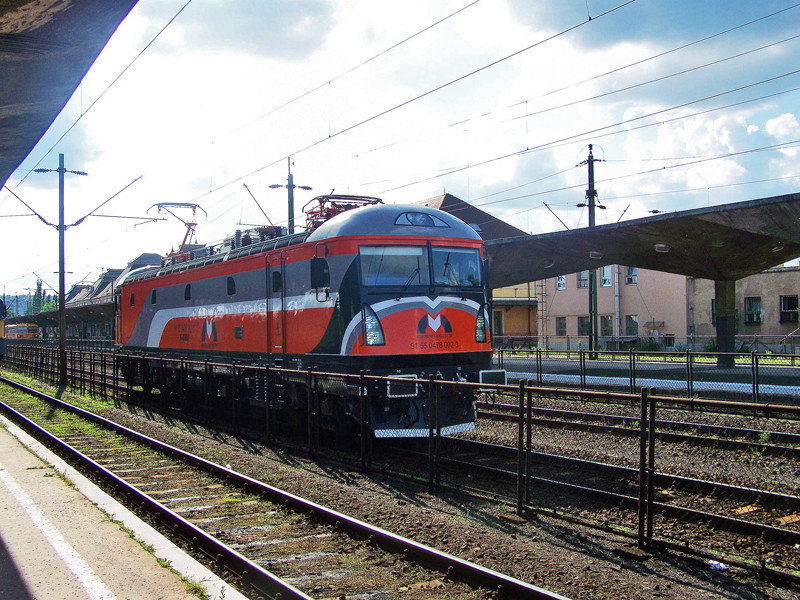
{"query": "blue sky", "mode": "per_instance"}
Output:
(494, 101)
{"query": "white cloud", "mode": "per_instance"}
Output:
(783, 127)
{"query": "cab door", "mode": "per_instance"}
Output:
(275, 304)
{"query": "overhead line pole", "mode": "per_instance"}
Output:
(591, 196)
(62, 315)
(290, 186)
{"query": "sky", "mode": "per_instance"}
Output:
(686, 105)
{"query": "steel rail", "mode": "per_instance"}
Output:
(744, 494)
(230, 559)
(561, 418)
(557, 413)
(454, 567)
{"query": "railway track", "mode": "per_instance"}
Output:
(779, 443)
(700, 509)
(276, 544)
(755, 518)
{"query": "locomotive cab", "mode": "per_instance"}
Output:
(414, 306)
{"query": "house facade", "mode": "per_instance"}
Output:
(766, 310)
(640, 307)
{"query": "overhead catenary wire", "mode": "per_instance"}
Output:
(587, 133)
(356, 67)
(416, 98)
(595, 131)
(602, 75)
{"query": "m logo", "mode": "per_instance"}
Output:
(434, 324)
(209, 331)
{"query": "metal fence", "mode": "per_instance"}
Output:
(712, 477)
(715, 477)
(774, 344)
(750, 377)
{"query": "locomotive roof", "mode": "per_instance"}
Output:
(376, 219)
(394, 219)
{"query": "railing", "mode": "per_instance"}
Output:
(749, 377)
(773, 344)
(94, 344)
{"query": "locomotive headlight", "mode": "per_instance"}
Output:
(373, 332)
(480, 327)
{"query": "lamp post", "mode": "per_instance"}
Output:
(290, 186)
(62, 315)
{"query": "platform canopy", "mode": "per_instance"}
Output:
(46, 48)
(722, 243)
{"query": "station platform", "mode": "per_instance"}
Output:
(62, 541)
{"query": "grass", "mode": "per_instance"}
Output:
(191, 586)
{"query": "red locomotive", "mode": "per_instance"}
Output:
(395, 290)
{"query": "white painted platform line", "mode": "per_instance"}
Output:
(90, 582)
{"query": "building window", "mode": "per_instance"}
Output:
(606, 325)
(584, 327)
(497, 317)
(632, 276)
(789, 309)
(605, 276)
(752, 309)
(583, 279)
(714, 312)
(561, 326)
(632, 325)
(561, 282)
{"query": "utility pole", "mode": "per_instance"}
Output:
(62, 315)
(591, 197)
(290, 186)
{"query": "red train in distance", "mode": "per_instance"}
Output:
(395, 290)
(22, 331)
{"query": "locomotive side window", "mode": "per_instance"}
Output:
(418, 219)
(231, 286)
(187, 292)
(320, 273)
(153, 297)
(277, 282)
(394, 265)
(456, 267)
(133, 300)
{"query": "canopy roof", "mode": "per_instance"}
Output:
(46, 48)
(723, 243)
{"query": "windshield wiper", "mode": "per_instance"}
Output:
(414, 273)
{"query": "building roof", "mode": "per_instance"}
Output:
(487, 226)
(47, 48)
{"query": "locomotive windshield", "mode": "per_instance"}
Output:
(456, 266)
(415, 265)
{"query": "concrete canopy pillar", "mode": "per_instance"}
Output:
(725, 292)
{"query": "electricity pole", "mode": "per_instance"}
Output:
(591, 197)
(290, 186)
(62, 315)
